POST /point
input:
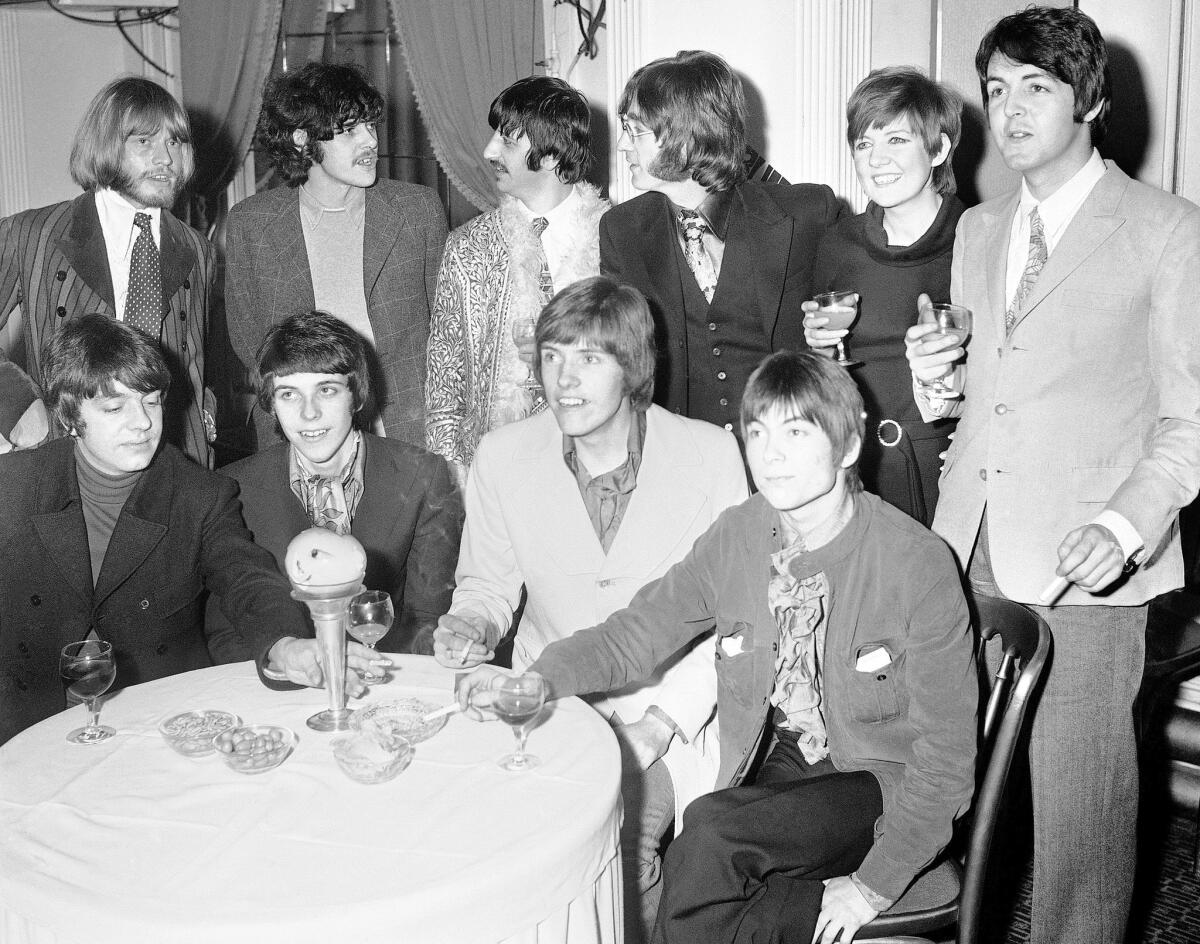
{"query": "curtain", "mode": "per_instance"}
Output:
(226, 51)
(460, 55)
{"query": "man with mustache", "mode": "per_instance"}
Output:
(337, 239)
(502, 267)
(117, 249)
(724, 262)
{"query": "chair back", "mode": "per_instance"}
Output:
(1025, 639)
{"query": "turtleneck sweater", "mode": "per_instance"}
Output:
(102, 497)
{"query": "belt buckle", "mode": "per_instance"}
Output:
(899, 433)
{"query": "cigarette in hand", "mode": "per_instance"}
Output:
(1053, 591)
(462, 656)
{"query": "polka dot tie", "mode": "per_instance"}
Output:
(144, 302)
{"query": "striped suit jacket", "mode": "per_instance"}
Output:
(267, 279)
(54, 264)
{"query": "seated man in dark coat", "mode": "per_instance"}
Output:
(399, 501)
(110, 532)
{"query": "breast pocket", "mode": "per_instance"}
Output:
(875, 683)
(735, 658)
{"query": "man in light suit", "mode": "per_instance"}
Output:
(724, 262)
(584, 504)
(132, 155)
(1079, 437)
(337, 239)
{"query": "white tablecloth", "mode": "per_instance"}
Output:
(127, 842)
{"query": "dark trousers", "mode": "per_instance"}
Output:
(749, 863)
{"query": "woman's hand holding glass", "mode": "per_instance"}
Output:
(822, 339)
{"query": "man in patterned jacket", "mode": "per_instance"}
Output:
(117, 249)
(502, 267)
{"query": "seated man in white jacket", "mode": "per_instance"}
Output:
(583, 505)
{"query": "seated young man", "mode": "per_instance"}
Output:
(398, 500)
(107, 531)
(842, 636)
(583, 505)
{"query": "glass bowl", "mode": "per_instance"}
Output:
(255, 748)
(402, 716)
(372, 756)
(191, 733)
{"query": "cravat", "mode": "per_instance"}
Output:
(1033, 266)
(144, 302)
(325, 513)
(545, 282)
(698, 260)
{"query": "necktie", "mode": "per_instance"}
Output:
(698, 260)
(144, 302)
(545, 282)
(1033, 266)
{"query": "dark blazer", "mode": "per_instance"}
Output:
(408, 520)
(54, 264)
(267, 279)
(766, 271)
(179, 533)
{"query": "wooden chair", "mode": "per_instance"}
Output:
(952, 892)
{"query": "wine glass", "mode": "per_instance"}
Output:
(517, 702)
(523, 332)
(952, 321)
(840, 309)
(88, 669)
(371, 615)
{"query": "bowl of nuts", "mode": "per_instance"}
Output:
(255, 748)
(191, 733)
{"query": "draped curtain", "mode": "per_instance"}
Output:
(460, 54)
(226, 51)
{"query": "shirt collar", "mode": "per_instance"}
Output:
(116, 220)
(635, 443)
(353, 469)
(714, 210)
(1058, 209)
(558, 214)
(313, 211)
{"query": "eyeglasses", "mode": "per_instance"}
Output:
(630, 133)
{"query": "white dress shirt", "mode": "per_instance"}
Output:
(116, 222)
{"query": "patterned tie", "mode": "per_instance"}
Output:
(144, 302)
(698, 260)
(545, 282)
(1033, 267)
(324, 512)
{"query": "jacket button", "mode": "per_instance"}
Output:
(187, 283)
(1001, 409)
(161, 648)
(183, 346)
(716, 352)
(145, 604)
(712, 326)
(22, 648)
(60, 275)
(724, 401)
(35, 600)
(183, 316)
(880, 678)
(721, 375)
(729, 427)
(62, 311)
(983, 474)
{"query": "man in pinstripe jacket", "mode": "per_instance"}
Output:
(132, 155)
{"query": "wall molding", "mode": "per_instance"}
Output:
(14, 170)
(625, 54)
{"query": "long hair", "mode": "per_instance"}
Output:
(902, 91)
(813, 388)
(315, 342)
(555, 118)
(695, 105)
(125, 107)
(1063, 42)
(88, 355)
(320, 99)
(612, 316)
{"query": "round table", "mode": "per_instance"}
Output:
(126, 840)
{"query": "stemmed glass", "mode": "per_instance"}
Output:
(952, 321)
(840, 309)
(517, 702)
(523, 332)
(88, 669)
(371, 615)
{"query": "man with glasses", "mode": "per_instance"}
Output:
(724, 262)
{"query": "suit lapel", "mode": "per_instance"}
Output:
(659, 253)
(758, 241)
(58, 521)
(285, 240)
(997, 229)
(83, 246)
(140, 528)
(1095, 221)
(385, 490)
(378, 238)
(176, 255)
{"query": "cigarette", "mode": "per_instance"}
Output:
(1053, 591)
(448, 710)
(462, 656)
